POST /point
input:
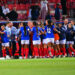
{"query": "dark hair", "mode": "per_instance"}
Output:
(35, 24)
(57, 5)
(21, 22)
(25, 31)
(49, 23)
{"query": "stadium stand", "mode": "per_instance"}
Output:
(23, 5)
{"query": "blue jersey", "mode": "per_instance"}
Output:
(43, 35)
(36, 35)
(23, 35)
(4, 37)
(49, 31)
(62, 34)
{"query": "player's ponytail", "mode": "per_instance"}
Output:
(35, 24)
(49, 23)
(25, 32)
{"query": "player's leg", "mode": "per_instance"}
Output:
(52, 46)
(7, 47)
(58, 48)
(10, 50)
(35, 44)
(22, 48)
(71, 47)
(40, 48)
(26, 49)
(63, 48)
(55, 50)
(45, 49)
(3, 50)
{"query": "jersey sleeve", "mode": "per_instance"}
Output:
(14, 30)
(63, 29)
(45, 28)
(18, 30)
(5, 32)
(53, 26)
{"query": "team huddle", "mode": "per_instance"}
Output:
(45, 40)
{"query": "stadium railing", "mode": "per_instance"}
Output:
(3, 22)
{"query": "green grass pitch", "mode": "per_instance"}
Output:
(56, 66)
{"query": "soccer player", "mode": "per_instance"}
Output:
(44, 42)
(62, 39)
(56, 45)
(36, 39)
(25, 31)
(5, 41)
(73, 24)
(41, 54)
(70, 39)
(8, 29)
(50, 28)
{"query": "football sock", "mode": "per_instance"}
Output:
(26, 52)
(69, 51)
(36, 51)
(22, 52)
(40, 52)
(10, 52)
(4, 52)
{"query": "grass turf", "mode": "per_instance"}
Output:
(56, 66)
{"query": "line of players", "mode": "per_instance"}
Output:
(47, 41)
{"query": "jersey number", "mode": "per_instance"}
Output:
(48, 30)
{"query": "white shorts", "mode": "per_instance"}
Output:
(45, 41)
(37, 42)
(70, 42)
(57, 42)
(50, 40)
(25, 42)
(63, 41)
(5, 44)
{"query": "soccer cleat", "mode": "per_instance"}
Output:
(2, 58)
(20, 57)
(8, 57)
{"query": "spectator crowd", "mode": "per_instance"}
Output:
(34, 12)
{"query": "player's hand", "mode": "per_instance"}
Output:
(59, 32)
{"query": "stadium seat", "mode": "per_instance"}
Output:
(22, 6)
(19, 16)
(59, 6)
(58, 1)
(52, 1)
(10, 6)
(72, 4)
(1, 18)
(24, 16)
(17, 6)
(27, 6)
(72, 0)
